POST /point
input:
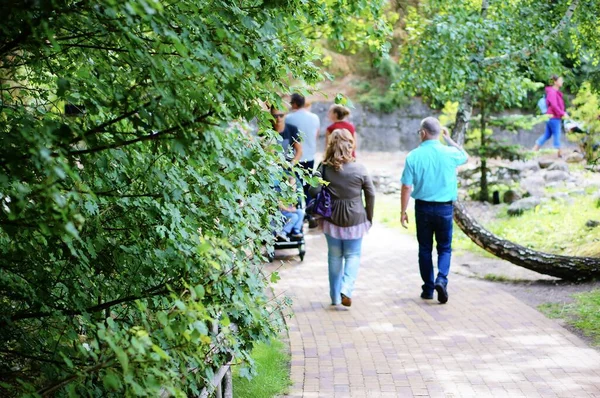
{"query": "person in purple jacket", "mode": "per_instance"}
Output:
(556, 110)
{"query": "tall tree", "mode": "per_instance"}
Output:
(459, 50)
(133, 211)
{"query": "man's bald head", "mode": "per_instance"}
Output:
(431, 126)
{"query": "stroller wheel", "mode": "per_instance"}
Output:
(302, 256)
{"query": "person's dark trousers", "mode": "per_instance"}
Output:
(309, 165)
(434, 219)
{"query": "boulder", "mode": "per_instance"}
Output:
(574, 157)
(391, 188)
(518, 207)
(510, 196)
(534, 185)
(559, 165)
(531, 165)
(468, 172)
(592, 223)
(556, 175)
(545, 163)
(376, 181)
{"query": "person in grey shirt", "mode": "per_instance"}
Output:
(308, 125)
(350, 217)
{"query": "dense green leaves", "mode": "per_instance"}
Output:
(451, 47)
(133, 222)
(488, 55)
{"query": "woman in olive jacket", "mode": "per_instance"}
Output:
(350, 219)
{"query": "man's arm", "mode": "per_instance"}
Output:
(453, 143)
(297, 152)
(404, 198)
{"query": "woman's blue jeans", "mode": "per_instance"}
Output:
(434, 219)
(553, 129)
(344, 260)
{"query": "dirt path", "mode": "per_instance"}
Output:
(485, 342)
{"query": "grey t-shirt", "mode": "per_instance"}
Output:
(308, 124)
(347, 187)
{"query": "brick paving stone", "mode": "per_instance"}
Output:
(484, 342)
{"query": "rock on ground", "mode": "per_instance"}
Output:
(518, 207)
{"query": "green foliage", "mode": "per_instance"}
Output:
(493, 147)
(272, 372)
(497, 278)
(376, 93)
(442, 52)
(554, 310)
(366, 29)
(586, 110)
(588, 314)
(127, 231)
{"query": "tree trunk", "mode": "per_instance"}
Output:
(565, 267)
(484, 194)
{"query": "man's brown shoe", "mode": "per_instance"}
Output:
(346, 301)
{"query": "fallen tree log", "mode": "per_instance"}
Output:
(564, 267)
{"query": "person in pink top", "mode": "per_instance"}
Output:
(556, 110)
(338, 114)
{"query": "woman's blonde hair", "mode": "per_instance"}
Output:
(339, 150)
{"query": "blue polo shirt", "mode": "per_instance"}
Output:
(431, 170)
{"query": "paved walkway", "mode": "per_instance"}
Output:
(390, 343)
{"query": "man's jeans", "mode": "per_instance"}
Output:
(434, 219)
(344, 260)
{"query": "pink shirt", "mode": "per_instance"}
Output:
(345, 233)
(555, 102)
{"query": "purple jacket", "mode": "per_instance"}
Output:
(554, 100)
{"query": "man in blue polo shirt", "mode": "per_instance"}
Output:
(429, 176)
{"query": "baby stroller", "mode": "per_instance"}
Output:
(289, 244)
(586, 142)
(292, 240)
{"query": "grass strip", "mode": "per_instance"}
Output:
(273, 372)
(583, 313)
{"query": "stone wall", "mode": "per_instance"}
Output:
(397, 131)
